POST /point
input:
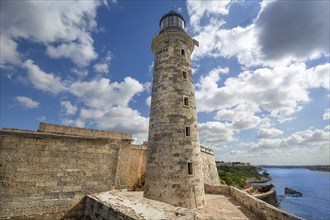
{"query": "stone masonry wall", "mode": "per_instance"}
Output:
(219, 189)
(46, 176)
(95, 209)
(138, 163)
(174, 168)
(259, 207)
(58, 129)
(209, 168)
(122, 165)
(255, 205)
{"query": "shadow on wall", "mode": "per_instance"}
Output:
(77, 211)
(139, 184)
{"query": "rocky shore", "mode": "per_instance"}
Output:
(291, 192)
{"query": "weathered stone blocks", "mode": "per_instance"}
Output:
(174, 166)
(45, 175)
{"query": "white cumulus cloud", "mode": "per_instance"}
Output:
(241, 116)
(302, 147)
(80, 53)
(71, 122)
(148, 101)
(102, 93)
(64, 27)
(27, 102)
(42, 80)
(302, 139)
(198, 9)
(326, 115)
(118, 118)
(280, 91)
(294, 28)
(106, 106)
(214, 133)
(68, 108)
(8, 52)
(282, 32)
(267, 131)
(103, 66)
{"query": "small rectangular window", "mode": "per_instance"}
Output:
(182, 52)
(187, 131)
(184, 74)
(190, 169)
(185, 101)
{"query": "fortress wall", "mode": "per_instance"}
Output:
(138, 162)
(269, 197)
(95, 209)
(122, 165)
(219, 190)
(259, 207)
(209, 167)
(137, 168)
(58, 129)
(46, 176)
(255, 205)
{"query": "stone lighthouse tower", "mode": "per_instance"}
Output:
(173, 172)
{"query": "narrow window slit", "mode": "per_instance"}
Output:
(184, 74)
(188, 131)
(185, 101)
(190, 169)
(182, 52)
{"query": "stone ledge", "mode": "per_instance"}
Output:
(68, 130)
(35, 134)
(259, 207)
(207, 150)
(131, 205)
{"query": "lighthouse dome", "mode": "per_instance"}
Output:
(172, 21)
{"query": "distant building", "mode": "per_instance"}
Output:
(231, 164)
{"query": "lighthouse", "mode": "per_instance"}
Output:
(174, 166)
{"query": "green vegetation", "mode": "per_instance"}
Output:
(237, 175)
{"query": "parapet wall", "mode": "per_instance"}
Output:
(95, 209)
(218, 190)
(67, 130)
(138, 163)
(269, 197)
(207, 151)
(209, 167)
(259, 207)
(46, 175)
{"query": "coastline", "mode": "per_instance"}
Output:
(321, 168)
(312, 184)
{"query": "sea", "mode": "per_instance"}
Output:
(314, 185)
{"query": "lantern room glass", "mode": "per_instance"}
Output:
(172, 21)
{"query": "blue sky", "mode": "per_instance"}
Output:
(261, 71)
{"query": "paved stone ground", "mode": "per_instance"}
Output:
(135, 205)
(220, 207)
